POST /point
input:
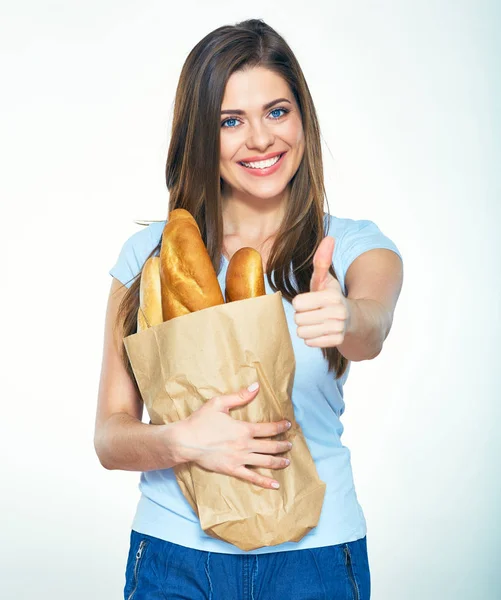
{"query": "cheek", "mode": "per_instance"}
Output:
(228, 152)
(299, 135)
(295, 134)
(229, 147)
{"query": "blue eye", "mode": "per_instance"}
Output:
(277, 109)
(276, 118)
(224, 123)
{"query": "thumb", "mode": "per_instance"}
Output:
(321, 264)
(241, 398)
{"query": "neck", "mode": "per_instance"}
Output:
(253, 218)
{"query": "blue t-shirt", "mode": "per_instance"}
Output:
(317, 397)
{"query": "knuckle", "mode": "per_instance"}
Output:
(332, 312)
(251, 429)
(214, 402)
(335, 327)
(253, 478)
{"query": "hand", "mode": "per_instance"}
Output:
(323, 313)
(216, 441)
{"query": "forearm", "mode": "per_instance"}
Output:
(366, 330)
(131, 445)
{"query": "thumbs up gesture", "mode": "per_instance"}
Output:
(322, 314)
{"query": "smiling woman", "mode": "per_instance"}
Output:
(264, 140)
(245, 160)
(274, 134)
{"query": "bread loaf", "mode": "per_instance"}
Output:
(150, 297)
(181, 213)
(188, 279)
(245, 277)
(182, 279)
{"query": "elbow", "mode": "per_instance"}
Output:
(105, 465)
(361, 354)
(376, 353)
(101, 455)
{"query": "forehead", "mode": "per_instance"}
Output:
(252, 88)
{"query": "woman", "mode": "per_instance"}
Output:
(245, 160)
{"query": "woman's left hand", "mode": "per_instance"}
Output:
(322, 314)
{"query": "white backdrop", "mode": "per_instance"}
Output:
(407, 94)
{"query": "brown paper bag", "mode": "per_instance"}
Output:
(185, 361)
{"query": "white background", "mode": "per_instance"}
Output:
(408, 96)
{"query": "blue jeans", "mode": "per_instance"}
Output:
(160, 570)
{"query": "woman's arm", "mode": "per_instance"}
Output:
(128, 444)
(121, 439)
(373, 284)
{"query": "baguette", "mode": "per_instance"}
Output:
(150, 298)
(188, 279)
(245, 277)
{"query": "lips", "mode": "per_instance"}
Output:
(267, 170)
(259, 158)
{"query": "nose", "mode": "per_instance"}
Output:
(260, 137)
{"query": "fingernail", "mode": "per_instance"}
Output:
(253, 387)
(288, 425)
(275, 485)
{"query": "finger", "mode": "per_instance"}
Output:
(332, 327)
(314, 300)
(241, 398)
(326, 341)
(269, 446)
(269, 429)
(321, 315)
(267, 461)
(322, 260)
(255, 478)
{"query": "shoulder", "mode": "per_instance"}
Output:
(354, 237)
(339, 227)
(135, 250)
(144, 240)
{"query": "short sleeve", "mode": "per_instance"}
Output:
(133, 255)
(357, 237)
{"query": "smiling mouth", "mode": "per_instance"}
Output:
(263, 164)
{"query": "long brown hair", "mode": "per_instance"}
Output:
(192, 169)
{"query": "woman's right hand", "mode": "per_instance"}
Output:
(216, 441)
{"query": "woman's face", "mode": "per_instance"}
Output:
(254, 126)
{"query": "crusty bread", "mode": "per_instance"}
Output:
(181, 213)
(188, 279)
(150, 297)
(245, 277)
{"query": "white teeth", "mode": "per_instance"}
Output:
(262, 164)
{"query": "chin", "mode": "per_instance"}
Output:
(267, 194)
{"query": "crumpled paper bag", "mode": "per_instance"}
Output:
(181, 363)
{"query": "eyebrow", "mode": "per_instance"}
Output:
(236, 111)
